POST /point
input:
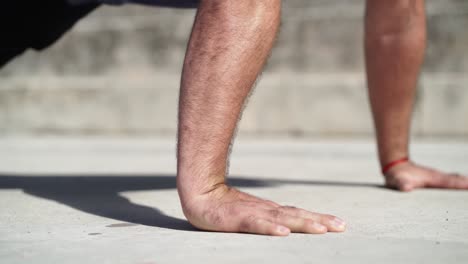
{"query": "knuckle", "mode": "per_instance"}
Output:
(271, 203)
(309, 222)
(315, 226)
(276, 213)
(330, 217)
(247, 223)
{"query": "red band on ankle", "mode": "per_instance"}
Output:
(393, 164)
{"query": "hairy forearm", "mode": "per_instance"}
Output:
(229, 44)
(395, 43)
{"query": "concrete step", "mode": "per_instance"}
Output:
(283, 104)
(315, 36)
(117, 72)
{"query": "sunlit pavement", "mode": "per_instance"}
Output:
(113, 200)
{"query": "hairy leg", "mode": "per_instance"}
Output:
(229, 45)
(395, 42)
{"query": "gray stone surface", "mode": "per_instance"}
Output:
(445, 107)
(113, 200)
(315, 36)
(90, 105)
(288, 104)
(117, 72)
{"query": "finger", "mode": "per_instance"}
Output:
(296, 224)
(272, 204)
(267, 204)
(261, 226)
(333, 223)
(448, 181)
(259, 204)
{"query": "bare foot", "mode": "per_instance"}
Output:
(227, 209)
(409, 176)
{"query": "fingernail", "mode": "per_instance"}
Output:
(283, 230)
(338, 223)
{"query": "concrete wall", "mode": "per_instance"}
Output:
(117, 72)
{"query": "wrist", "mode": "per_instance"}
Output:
(386, 167)
(391, 148)
(195, 201)
(190, 187)
(389, 155)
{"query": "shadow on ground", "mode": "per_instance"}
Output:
(100, 194)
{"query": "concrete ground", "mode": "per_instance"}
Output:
(101, 200)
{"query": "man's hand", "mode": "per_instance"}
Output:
(409, 176)
(228, 47)
(229, 210)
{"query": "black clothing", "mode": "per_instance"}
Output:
(36, 24)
